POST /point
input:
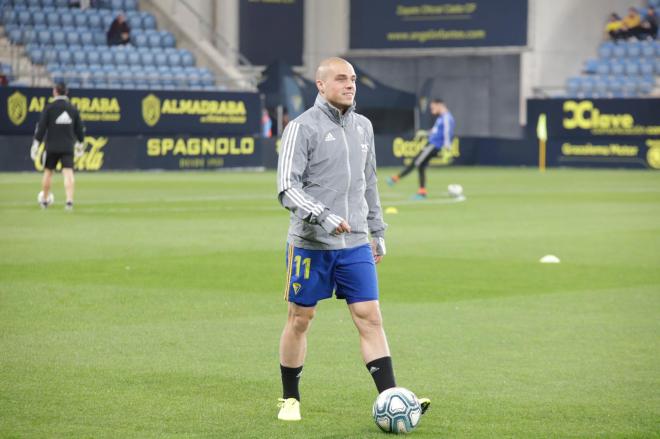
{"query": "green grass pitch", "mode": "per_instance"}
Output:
(154, 310)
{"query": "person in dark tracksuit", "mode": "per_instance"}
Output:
(440, 138)
(64, 132)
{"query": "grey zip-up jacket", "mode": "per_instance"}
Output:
(327, 172)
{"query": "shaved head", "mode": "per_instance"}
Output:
(335, 80)
(328, 65)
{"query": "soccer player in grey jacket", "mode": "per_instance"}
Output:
(327, 180)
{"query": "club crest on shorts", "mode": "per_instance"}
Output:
(296, 287)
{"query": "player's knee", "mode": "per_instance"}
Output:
(299, 321)
(370, 321)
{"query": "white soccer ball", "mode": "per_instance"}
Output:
(455, 190)
(49, 201)
(397, 410)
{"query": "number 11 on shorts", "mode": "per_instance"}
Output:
(307, 262)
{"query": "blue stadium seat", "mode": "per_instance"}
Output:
(29, 35)
(79, 57)
(67, 19)
(134, 20)
(656, 44)
(24, 18)
(94, 57)
(9, 16)
(36, 55)
(121, 58)
(134, 58)
(139, 39)
(617, 67)
(99, 38)
(187, 58)
(58, 76)
(147, 58)
(107, 58)
(38, 18)
(80, 20)
(72, 38)
(587, 85)
(633, 49)
(53, 19)
(106, 21)
(59, 37)
(648, 50)
(148, 21)
(87, 38)
(601, 86)
(657, 66)
(112, 74)
(632, 67)
(630, 88)
(619, 50)
(94, 20)
(591, 65)
(646, 67)
(116, 4)
(160, 59)
(15, 35)
(167, 39)
(645, 85)
(61, 3)
(153, 39)
(44, 37)
(174, 59)
(64, 57)
(130, 5)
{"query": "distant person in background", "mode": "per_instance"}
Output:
(266, 124)
(119, 32)
(440, 139)
(632, 24)
(79, 4)
(285, 118)
(64, 132)
(614, 27)
(649, 26)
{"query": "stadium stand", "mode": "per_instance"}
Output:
(623, 68)
(71, 45)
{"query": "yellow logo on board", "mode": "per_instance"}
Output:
(151, 110)
(653, 154)
(17, 108)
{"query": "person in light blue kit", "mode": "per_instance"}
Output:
(440, 138)
(326, 178)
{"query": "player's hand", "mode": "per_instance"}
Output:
(378, 249)
(343, 227)
(78, 149)
(34, 150)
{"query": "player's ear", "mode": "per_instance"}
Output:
(320, 86)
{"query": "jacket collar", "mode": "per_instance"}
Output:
(333, 112)
(61, 98)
